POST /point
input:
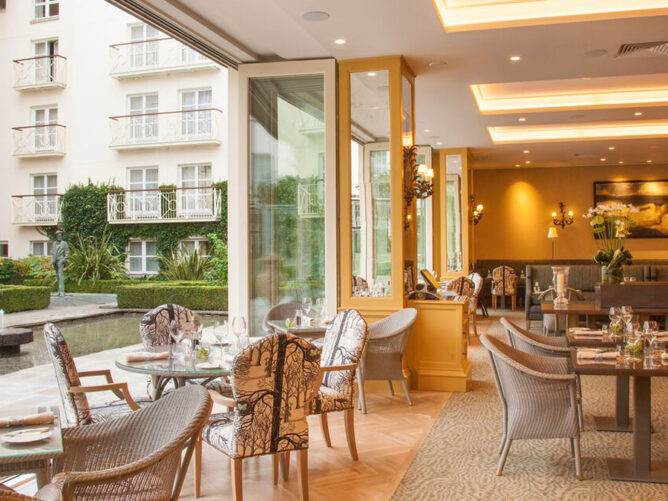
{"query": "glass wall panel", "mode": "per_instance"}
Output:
(424, 220)
(286, 192)
(370, 184)
(453, 202)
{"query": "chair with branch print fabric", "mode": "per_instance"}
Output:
(273, 381)
(504, 283)
(77, 408)
(156, 325)
(342, 349)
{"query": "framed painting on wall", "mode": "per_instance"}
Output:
(650, 197)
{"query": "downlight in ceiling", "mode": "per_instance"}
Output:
(315, 15)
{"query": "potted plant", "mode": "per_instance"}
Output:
(611, 225)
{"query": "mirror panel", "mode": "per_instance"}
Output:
(454, 190)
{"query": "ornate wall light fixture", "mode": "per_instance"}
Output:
(418, 181)
(562, 218)
(476, 210)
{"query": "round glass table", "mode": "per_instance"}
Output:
(177, 369)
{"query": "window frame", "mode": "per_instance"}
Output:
(47, 6)
(197, 240)
(4, 244)
(144, 257)
(47, 248)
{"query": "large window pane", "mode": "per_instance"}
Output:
(453, 202)
(286, 192)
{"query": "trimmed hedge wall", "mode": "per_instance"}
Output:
(21, 298)
(188, 294)
(103, 286)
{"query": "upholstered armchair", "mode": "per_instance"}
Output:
(73, 394)
(478, 282)
(360, 284)
(343, 345)
(156, 325)
(504, 283)
(538, 398)
(273, 381)
(387, 342)
(465, 287)
(279, 313)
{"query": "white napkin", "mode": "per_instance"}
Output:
(593, 354)
(144, 356)
(30, 420)
(587, 332)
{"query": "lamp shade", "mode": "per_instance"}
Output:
(552, 232)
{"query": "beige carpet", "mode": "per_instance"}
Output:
(458, 458)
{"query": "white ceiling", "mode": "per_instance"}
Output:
(274, 29)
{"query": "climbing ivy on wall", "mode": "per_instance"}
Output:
(84, 213)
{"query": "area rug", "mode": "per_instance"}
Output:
(457, 460)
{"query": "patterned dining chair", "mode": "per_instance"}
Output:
(478, 281)
(538, 398)
(343, 345)
(73, 394)
(504, 283)
(156, 325)
(273, 381)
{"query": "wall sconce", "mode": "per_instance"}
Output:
(476, 212)
(418, 181)
(564, 218)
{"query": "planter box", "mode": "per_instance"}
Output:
(636, 294)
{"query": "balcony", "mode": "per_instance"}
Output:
(311, 200)
(151, 57)
(39, 141)
(40, 73)
(36, 210)
(164, 205)
(151, 130)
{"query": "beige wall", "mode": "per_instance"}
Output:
(518, 204)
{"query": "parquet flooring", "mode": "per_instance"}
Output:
(388, 437)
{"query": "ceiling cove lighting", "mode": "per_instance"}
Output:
(339, 41)
(467, 15)
(515, 59)
(497, 98)
(578, 132)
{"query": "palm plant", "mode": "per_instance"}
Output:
(95, 259)
(184, 265)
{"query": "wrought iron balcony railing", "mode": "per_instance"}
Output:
(37, 210)
(149, 130)
(311, 199)
(164, 205)
(39, 141)
(41, 72)
(158, 55)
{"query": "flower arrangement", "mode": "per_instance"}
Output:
(611, 225)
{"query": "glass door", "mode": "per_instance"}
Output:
(45, 130)
(289, 188)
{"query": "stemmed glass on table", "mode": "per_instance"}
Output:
(627, 316)
(651, 332)
(307, 303)
(241, 338)
(221, 333)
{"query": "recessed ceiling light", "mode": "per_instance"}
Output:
(439, 142)
(611, 148)
(437, 64)
(620, 162)
(596, 53)
(522, 119)
(649, 161)
(371, 74)
(527, 162)
(427, 130)
(339, 41)
(603, 159)
(526, 152)
(315, 15)
(638, 113)
(517, 165)
(514, 59)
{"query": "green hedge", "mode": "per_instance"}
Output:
(101, 286)
(188, 294)
(21, 298)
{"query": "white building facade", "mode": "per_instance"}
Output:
(89, 92)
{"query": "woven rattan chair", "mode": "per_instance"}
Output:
(279, 313)
(46, 493)
(478, 282)
(382, 359)
(137, 456)
(538, 397)
(343, 345)
(73, 394)
(273, 381)
(535, 344)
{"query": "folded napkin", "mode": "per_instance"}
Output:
(32, 419)
(587, 332)
(593, 354)
(144, 356)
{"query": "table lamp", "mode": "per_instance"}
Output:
(552, 234)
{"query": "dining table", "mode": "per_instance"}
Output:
(309, 332)
(178, 369)
(640, 467)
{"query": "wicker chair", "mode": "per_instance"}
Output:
(273, 381)
(535, 344)
(137, 456)
(279, 312)
(73, 394)
(382, 359)
(46, 493)
(343, 345)
(538, 397)
(504, 283)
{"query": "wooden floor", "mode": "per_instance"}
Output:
(388, 437)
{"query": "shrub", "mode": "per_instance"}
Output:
(184, 265)
(195, 297)
(8, 272)
(217, 274)
(21, 298)
(95, 259)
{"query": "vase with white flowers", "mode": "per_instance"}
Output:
(611, 225)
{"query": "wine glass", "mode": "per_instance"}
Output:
(615, 313)
(307, 302)
(320, 307)
(239, 328)
(176, 335)
(627, 316)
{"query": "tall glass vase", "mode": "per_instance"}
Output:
(560, 284)
(614, 275)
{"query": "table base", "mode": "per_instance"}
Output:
(623, 469)
(606, 423)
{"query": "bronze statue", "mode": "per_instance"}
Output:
(61, 252)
